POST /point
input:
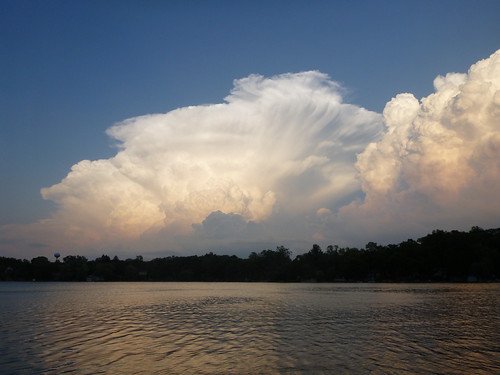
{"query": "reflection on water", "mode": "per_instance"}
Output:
(238, 328)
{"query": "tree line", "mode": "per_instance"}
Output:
(442, 256)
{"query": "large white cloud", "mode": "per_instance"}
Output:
(278, 148)
(284, 161)
(438, 164)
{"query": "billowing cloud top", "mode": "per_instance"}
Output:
(438, 164)
(283, 159)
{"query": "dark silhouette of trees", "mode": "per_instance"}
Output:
(269, 265)
(311, 265)
(12, 269)
(440, 256)
(43, 269)
(209, 267)
(103, 268)
(74, 268)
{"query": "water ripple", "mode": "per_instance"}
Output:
(187, 328)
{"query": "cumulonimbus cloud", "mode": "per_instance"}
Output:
(283, 158)
(438, 163)
(277, 146)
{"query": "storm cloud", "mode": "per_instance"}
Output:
(285, 160)
(438, 163)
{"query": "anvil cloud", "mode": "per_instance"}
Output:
(285, 160)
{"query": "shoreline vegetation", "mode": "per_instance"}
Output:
(442, 256)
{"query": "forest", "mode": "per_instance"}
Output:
(441, 256)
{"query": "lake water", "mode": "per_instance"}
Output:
(249, 328)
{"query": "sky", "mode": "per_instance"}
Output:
(181, 127)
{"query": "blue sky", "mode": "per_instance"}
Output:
(72, 69)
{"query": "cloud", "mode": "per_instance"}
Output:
(284, 161)
(275, 151)
(221, 225)
(438, 163)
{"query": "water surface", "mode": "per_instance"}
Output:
(249, 328)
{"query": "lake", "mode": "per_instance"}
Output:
(249, 328)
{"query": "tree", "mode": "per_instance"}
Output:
(42, 268)
(74, 268)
